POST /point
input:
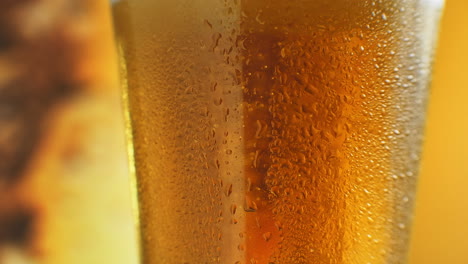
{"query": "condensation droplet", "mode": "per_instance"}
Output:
(251, 206)
(208, 23)
(229, 190)
(283, 53)
(233, 209)
(267, 236)
(215, 40)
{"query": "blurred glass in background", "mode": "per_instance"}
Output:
(64, 196)
(440, 225)
(64, 189)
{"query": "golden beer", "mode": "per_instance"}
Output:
(272, 131)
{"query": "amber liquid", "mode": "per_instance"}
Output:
(276, 131)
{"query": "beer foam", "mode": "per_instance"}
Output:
(437, 3)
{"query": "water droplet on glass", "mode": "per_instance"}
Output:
(267, 236)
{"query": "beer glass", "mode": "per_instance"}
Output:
(273, 131)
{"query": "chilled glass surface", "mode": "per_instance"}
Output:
(268, 131)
